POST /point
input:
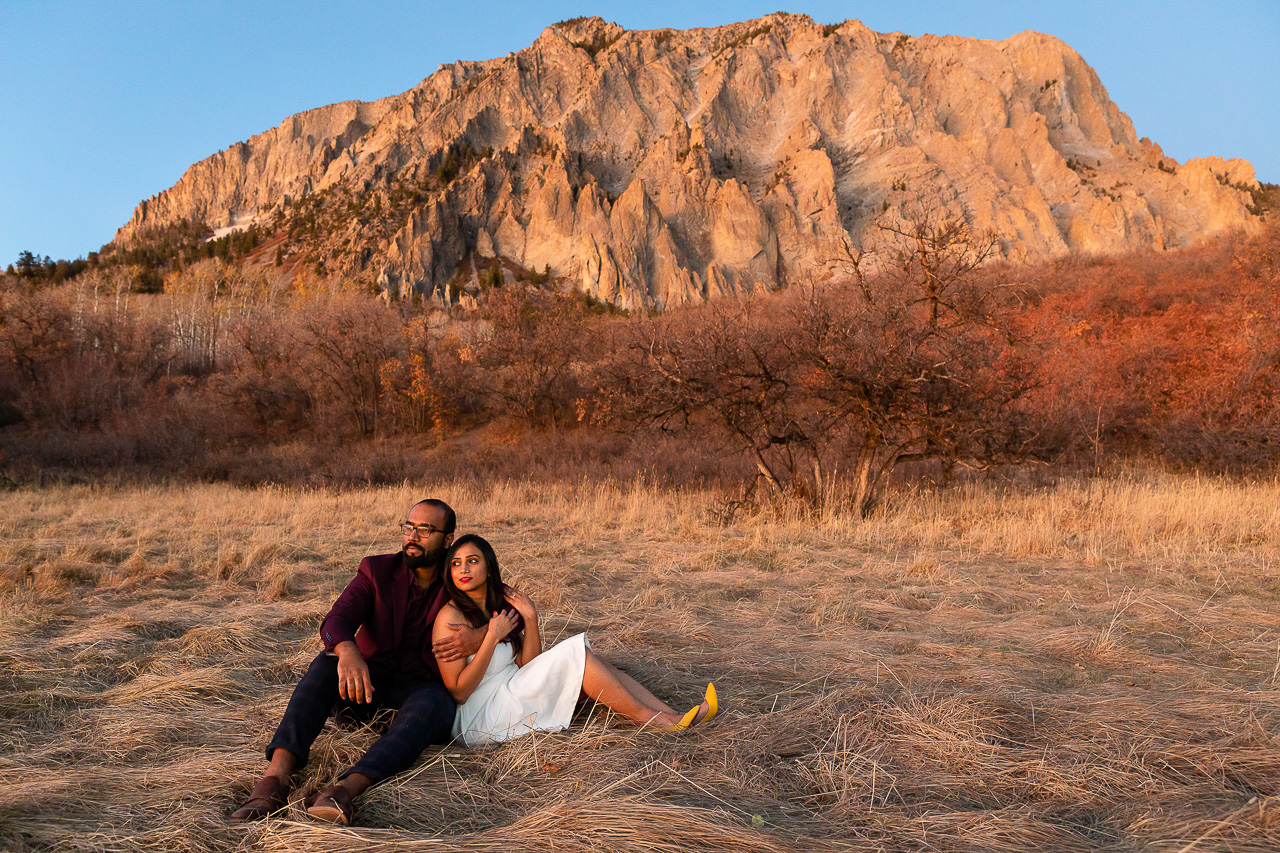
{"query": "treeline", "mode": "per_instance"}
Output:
(33, 269)
(921, 353)
(161, 251)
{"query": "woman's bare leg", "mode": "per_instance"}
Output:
(641, 692)
(610, 686)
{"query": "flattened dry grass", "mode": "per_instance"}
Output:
(1092, 667)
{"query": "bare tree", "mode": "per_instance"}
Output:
(914, 361)
(923, 353)
(532, 356)
(727, 366)
(347, 341)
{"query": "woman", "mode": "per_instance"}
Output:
(510, 687)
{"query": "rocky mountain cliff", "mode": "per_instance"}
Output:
(661, 167)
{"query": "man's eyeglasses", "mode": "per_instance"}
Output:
(422, 531)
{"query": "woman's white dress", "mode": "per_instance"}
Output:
(511, 700)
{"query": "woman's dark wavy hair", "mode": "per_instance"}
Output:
(494, 597)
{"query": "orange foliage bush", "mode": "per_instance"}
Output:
(1174, 355)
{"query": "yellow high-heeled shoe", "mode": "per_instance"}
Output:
(713, 705)
(686, 722)
(713, 708)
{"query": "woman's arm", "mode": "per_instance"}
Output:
(532, 646)
(461, 678)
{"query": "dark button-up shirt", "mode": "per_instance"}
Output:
(414, 650)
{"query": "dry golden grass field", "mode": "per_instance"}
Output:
(1094, 666)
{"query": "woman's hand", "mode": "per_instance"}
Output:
(502, 624)
(522, 603)
(532, 645)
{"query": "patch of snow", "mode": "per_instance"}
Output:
(238, 223)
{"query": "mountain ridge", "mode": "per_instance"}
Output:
(660, 167)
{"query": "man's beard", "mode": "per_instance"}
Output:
(425, 560)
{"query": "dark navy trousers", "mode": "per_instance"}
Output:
(424, 715)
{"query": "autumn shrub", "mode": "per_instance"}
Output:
(534, 354)
(263, 388)
(35, 339)
(344, 344)
(76, 362)
(1171, 355)
(434, 386)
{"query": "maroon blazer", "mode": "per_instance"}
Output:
(371, 610)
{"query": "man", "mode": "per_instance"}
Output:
(377, 656)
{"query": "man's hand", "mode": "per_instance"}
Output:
(461, 642)
(353, 674)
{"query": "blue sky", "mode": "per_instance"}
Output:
(106, 103)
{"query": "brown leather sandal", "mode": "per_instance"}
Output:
(269, 795)
(333, 805)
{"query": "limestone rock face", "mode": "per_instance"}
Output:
(662, 167)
